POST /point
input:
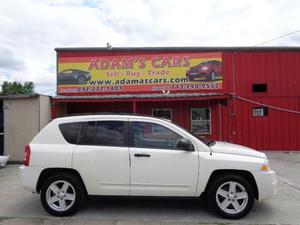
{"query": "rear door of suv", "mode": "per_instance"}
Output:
(102, 156)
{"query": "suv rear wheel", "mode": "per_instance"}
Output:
(62, 194)
(231, 196)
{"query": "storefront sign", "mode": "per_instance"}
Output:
(156, 72)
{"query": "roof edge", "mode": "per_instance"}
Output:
(18, 96)
(175, 49)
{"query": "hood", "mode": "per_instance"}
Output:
(228, 148)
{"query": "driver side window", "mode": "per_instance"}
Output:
(151, 135)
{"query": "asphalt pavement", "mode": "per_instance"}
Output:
(18, 206)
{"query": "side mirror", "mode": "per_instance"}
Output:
(185, 145)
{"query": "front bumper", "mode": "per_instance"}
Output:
(266, 184)
(29, 176)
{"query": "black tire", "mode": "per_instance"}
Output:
(215, 201)
(81, 80)
(76, 187)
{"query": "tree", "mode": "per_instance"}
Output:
(17, 88)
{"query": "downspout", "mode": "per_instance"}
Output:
(233, 83)
(134, 106)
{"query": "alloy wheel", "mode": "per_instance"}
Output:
(60, 195)
(232, 197)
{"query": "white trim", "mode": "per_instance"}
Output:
(191, 109)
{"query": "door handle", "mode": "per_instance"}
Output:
(142, 155)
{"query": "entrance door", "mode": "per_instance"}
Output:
(158, 167)
(1, 129)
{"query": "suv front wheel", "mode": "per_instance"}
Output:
(231, 196)
(62, 194)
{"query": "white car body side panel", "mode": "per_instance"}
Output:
(50, 134)
(165, 173)
(51, 156)
(49, 149)
(104, 170)
(29, 176)
(221, 161)
(266, 184)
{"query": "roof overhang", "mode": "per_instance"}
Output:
(142, 97)
(18, 96)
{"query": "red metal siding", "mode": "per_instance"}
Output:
(280, 70)
(96, 107)
(278, 130)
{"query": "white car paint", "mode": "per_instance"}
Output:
(115, 170)
(228, 148)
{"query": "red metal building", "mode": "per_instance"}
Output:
(249, 96)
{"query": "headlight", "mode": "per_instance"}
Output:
(265, 166)
(204, 68)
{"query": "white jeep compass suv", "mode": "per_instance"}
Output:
(128, 155)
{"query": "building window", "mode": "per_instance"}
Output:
(259, 87)
(162, 113)
(201, 120)
(260, 111)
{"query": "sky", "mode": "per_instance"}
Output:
(30, 30)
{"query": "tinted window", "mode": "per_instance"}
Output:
(89, 134)
(162, 113)
(151, 135)
(103, 133)
(110, 133)
(70, 131)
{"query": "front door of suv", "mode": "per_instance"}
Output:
(158, 167)
(102, 157)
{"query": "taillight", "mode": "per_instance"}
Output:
(26, 155)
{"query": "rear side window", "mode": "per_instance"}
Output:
(104, 133)
(110, 133)
(88, 135)
(70, 131)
